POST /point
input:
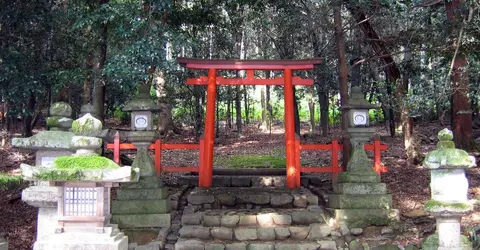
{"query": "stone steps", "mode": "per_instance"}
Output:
(252, 180)
(193, 244)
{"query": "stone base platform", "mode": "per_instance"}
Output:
(355, 218)
(115, 240)
(193, 244)
(252, 180)
(244, 197)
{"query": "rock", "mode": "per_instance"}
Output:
(319, 231)
(327, 244)
(356, 231)
(194, 232)
(266, 233)
(222, 233)
(200, 199)
(214, 246)
(344, 229)
(282, 219)
(387, 230)
(61, 109)
(261, 246)
(307, 217)
(355, 245)
(241, 181)
(281, 200)
(87, 125)
(236, 246)
(336, 234)
(247, 220)
(411, 247)
(296, 246)
(386, 247)
(312, 200)
(299, 200)
(244, 234)
(211, 220)
(265, 219)
(299, 233)
(226, 200)
(192, 219)
(281, 233)
(229, 220)
(189, 245)
(258, 199)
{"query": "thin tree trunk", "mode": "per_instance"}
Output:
(99, 58)
(323, 100)
(28, 116)
(247, 108)
(238, 110)
(342, 76)
(311, 107)
(269, 105)
(296, 111)
(229, 111)
(217, 118)
(263, 124)
(391, 114)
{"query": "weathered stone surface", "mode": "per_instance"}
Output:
(261, 246)
(344, 229)
(140, 206)
(366, 217)
(355, 245)
(40, 196)
(196, 199)
(386, 247)
(356, 231)
(244, 234)
(241, 181)
(281, 200)
(59, 121)
(61, 109)
(312, 200)
(55, 140)
(360, 188)
(307, 217)
(432, 243)
(141, 236)
(266, 233)
(214, 246)
(141, 220)
(411, 247)
(383, 201)
(229, 220)
(189, 245)
(300, 200)
(150, 246)
(327, 244)
(145, 182)
(299, 233)
(247, 220)
(319, 231)
(278, 181)
(257, 199)
(192, 219)
(236, 246)
(221, 181)
(226, 200)
(263, 181)
(194, 232)
(142, 194)
(211, 220)
(87, 125)
(296, 246)
(281, 233)
(347, 177)
(265, 219)
(282, 219)
(222, 233)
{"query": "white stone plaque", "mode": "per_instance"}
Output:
(141, 121)
(360, 118)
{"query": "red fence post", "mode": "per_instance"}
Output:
(335, 167)
(298, 163)
(377, 167)
(201, 158)
(116, 148)
(158, 156)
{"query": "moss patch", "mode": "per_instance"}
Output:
(251, 161)
(8, 181)
(435, 205)
(60, 175)
(84, 162)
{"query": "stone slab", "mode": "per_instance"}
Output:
(189, 244)
(360, 188)
(3, 245)
(366, 217)
(142, 194)
(348, 177)
(221, 181)
(241, 181)
(142, 220)
(145, 182)
(86, 241)
(358, 201)
(41, 196)
(140, 206)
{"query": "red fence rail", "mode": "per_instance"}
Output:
(158, 146)
(335, 147)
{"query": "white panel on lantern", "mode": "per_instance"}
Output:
(141, 121)
(449, 185)
(80, 201)
(47, 160)
(360, 118)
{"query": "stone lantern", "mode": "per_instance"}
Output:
(359, 199)
(83, 181)
(449, 188)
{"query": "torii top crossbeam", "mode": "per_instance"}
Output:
(287, 81)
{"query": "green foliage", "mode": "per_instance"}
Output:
(8, 181)
(63, 175)
(252, 161)
(84, 162)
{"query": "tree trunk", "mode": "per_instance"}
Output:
(323, 100)
(311, 107)
(229, 111)
(342, 76)
(165, 121)
(238, 109)
(269, 105)
(88, 82)
(391, 114)
(28, 116)
(296, 111)
(247, 108)
(198, 111)
(263, 125)
(98, 60)
(217, 118)
(461, 106)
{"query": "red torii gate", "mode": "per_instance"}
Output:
(287, 66)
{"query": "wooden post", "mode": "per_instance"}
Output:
(289, 130)
(209, 128)
(335, 167)
(158, 157)
(376, 156)
(116, 148)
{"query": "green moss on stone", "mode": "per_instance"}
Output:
(52, 121)
(60, 175)
(445, 135)
(431, 242)
(84, 162)
(435, 205)
(7, 180)
(61, 109)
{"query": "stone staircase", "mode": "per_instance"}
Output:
(254, 218)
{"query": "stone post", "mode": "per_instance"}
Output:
(449, 188)
(359, 198)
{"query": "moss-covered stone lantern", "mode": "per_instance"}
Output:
(359, 199)
(83, 180)
(449, 188)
